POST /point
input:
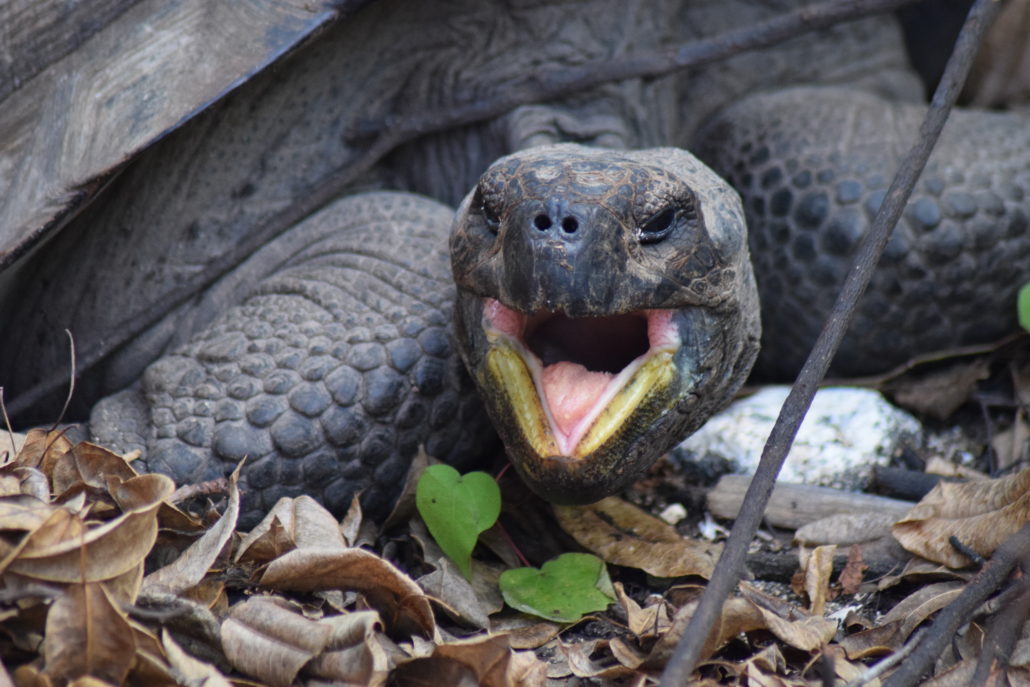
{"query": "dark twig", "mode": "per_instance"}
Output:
(966, 551)
(398, 130)
(934, 640)
(1001, 637)
(727, 570)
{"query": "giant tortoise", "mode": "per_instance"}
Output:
(226, 205)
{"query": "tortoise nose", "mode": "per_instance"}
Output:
(558, 219)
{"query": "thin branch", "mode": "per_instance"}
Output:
(886, 664)
(398, 130)
(728, 568)
(1003, 632)
(956, 614)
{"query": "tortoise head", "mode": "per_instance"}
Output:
(606, 308)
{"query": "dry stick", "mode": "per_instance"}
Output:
(548, 85)
(935, 639)
(727, 570)
(1001, 637)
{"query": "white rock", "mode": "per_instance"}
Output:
(846, 433)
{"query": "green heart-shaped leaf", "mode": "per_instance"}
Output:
(456, 509)
(1023, 306)
(564, 589)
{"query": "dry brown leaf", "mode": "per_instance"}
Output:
(267, 638)
(922, 570)
(404, 507)
(940, 393)
(738, 615)
(431, 672)
(486, 660)
(350, 526)
(10, 446)
(89, 465)
(851, 576)
(470, 602)
(89, 681)
(354, 655)
(192, 564)
(1011, 445)
(525, 632)
(627, 655)
(87, 634)
(291, 524)
(981, 514)
(29, 481)
(623, 534)
(23, 512)
(492, 660)
(404, 607)
(643, 622)
(921, 604)
(789, 623)
(189, 669)
(578, 655)
(818, 568)
(40, 450)
(65, 553)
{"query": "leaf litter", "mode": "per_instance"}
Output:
(106, 580)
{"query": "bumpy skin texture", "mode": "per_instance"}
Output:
(813, 166)
(215, 190)
(328, 376)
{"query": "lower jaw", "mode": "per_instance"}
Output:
(593, 464)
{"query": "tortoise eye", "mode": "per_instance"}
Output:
(658, 227)
(493, 221)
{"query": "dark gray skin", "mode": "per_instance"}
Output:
(337, 400)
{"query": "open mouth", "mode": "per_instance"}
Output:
(572, 383)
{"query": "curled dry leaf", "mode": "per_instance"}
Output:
(266, 638)
(355, 654)
(189, 669)
(192, 564)
(40, 450)
(404, 607)
(789, 623)
(293, 523)
(850, 579)
(488, 661)
(578, 656)
(623, 534)
(643, 622)
(87, 634)
(981, 514)
(470, 601)
(94, 553)
(818, 568)
(525, 632)
(738, 615)
(89, 465)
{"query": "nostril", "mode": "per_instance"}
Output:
(569, 225)
(542, 222)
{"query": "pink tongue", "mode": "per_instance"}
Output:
(571, 391)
